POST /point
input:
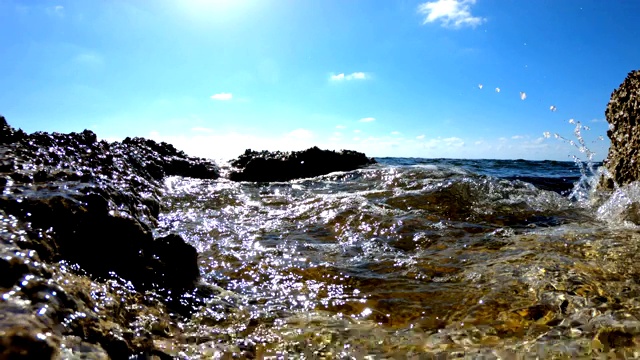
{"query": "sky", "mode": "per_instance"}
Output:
(431, 79)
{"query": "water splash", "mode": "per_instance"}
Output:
(589, 174)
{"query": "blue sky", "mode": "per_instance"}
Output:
(390, 78)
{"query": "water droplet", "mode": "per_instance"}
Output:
(523, 95)
(498, 90)
(552, 108)
(479, 86)
(571, 121)
(546, 134)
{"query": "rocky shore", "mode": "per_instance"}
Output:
(82, 272)
(623, 116)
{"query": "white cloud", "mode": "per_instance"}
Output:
(451, 13)
(89, 59)
(395, 133)
(301, 134)
(357, 131)
(201, 129)
(340, 127)
(420, 137)
(453, 141)
(57, 10)
(353, 76)
(222, 96)
(517, 137)
(367, 119)
(357, 76)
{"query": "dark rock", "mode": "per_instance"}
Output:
(95, 204)
(623, 115)
(73, 206)
(285, 166)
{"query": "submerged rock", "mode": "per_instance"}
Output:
(623, 115)
(284, 166)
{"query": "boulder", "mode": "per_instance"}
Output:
(623, 115)
(266, 166)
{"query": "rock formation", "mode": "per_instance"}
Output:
(284, 166)
(71, 205)
(623, 115)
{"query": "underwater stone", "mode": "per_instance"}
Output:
(268, 166)
(623, 115)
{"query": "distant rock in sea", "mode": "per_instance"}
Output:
(623, 115)
(266, 166)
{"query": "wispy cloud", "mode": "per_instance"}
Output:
(340, 127)
(300, 134)
(420, 137)
(367, 119)
(89, 59)
(395, 133)
(57, 10)
(222, 96)
(201, 129)
(348, 77)
(450, 13)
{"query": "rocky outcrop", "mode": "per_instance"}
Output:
(623, 115)
(94, 203)
(268, 166)
(72, 206)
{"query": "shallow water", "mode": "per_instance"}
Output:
(408, 257)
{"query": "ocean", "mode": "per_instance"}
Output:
(412, 258)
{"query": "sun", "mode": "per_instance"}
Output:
(211, 9)
(206, 5)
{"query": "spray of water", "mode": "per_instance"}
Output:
(582, 191)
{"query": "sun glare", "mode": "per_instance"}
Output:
(216, 10)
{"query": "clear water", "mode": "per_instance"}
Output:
(410, 257)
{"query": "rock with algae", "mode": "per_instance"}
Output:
(623, 115)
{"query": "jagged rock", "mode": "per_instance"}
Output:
(284, 166)
(70, 201)
(623, 115)
(95, 203)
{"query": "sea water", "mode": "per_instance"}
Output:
(412, 257)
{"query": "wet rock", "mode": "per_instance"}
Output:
(623, 115)
(284, 166)
(94, 203)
